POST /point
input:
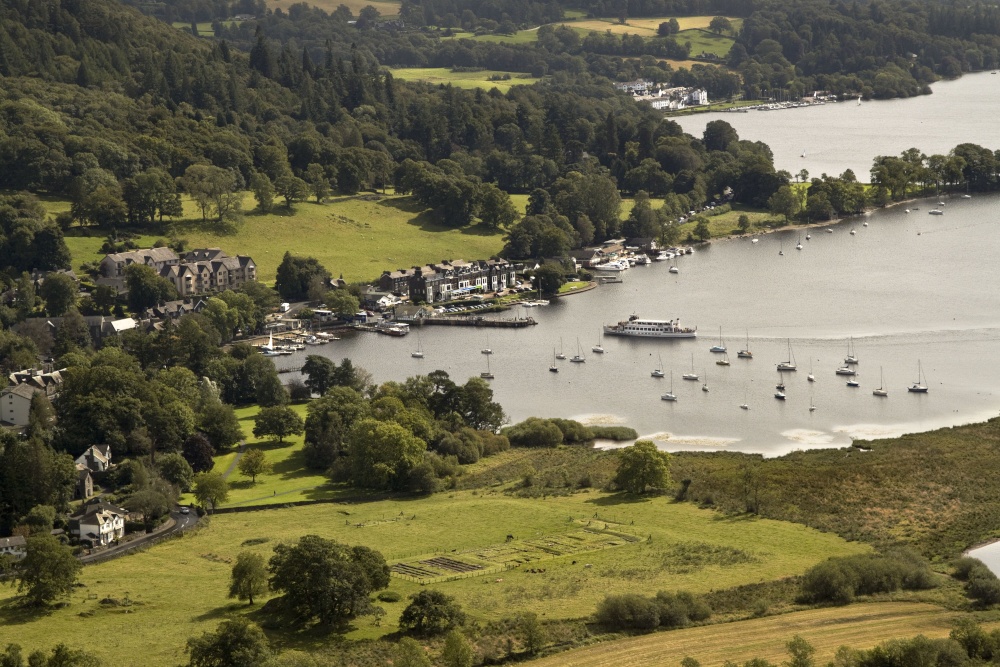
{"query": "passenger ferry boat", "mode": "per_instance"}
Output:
(650, 328)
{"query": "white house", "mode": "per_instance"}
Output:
(15, 546)
(15, 403)
(100, 524)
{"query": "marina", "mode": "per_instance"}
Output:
(801, 308)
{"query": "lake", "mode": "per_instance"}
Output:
(844, 135)
(908, 287)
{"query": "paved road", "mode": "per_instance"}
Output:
(178, 523)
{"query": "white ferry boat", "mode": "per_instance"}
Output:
(650, 328)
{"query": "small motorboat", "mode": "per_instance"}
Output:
(853, 232)
(853, 383)
(829, 231)
(780, 396)
(864, 224)
(935, 211)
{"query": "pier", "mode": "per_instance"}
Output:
(511, 323)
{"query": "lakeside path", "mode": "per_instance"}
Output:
(857, 625)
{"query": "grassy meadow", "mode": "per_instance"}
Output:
(858, 626)
(385, 7)
(358, 237)
(468, 80)
(703, 41)
(178, 588)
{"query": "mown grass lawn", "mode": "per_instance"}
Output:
(703, 41)
(385, 7)
(180, 586)
(470, 80)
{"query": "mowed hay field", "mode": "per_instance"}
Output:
(358, 237)
(468, 80)
(179, 587)
(646, 27)
(859, 626)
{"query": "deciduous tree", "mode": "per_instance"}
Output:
(249, 576)
(642, 466)
(236, 643)
(253, 462)
(210, 489)
(47, 572)
(277, 422)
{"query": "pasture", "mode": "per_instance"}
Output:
(859, 626)
(467, 80)
(175, 590)
(385, 7)
(703, 41)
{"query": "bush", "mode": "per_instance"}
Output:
(573, 432)
(617, 433)
(839, 580)
(389, 596)
(534, 432)
(635, 612)
(982, 585)
(964, 567)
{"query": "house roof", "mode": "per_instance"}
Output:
(12, 542)
(24, 390)
(163, 254)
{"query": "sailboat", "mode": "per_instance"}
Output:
(790, 364)
(881, 391)
(560, 355)
(704, 386)
(487, 375)
(859, 100)
(853, 383)
(419, 352)
(724, 361)
(692, 375)
(798, 246)
(721, 347)
(851, 358)
(578, 357)
(553, 367)
(599, 349)
(811, 377)
(487, 349)
(781, 247)
(781, 383)
(745, 406)
(918, 387)
(670, 396)
(269, 350)
(745, 353)
(812, 406)
(658, 371)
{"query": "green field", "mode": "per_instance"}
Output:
(385, 7)
(468, 80)
(856, 626)
(357, 237)
(703, 41)
(178, 588)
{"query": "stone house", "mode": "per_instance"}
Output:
(15, 546)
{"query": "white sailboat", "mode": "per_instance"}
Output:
(578, 358)
(419, 352)
(487, 349)
(721, 347)
(692, 375)
(553, 367)
(560, 355)
(658, 371)
(724, 361)
(488, 375)
(798, 246)
(812, 405)
(851, 358)
(881, 391)
(745, 406)
(811, 377)
(599, 349)
(781, 247)
(704, 386)
(918, 387)
(670, 396)
(790, 364)
(269, 350)
(745, 353)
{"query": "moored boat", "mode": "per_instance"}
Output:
(634, 326)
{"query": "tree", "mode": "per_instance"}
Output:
(292, 188)
(40, 519)
(210, 489)
(220, 426)
(457, 651)
(152, 502)
(431, 612)
(62, 656)
(409, 653)
(784, 202)
(801, 653)
(496, 210)
(318, 182)
(197, 451)
(263, 191)
(175, 469)
(59, 292)
(47, 572)
(146, 288)
(295, 275)
(277, 422)
(719, 135)
(236, 643)
(701, 230)
(549, 278)
(642, 466)
(382, 454)
(214, 189)
(342, 302)
(720, 25)
(325, 580)
(743, 223)
(320, 373)
(253, 462)
(249, 576)
(533, 635)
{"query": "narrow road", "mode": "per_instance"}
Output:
(236, 459)
(178, 523)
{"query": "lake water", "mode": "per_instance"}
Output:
(907, 287)
(989, 554)
(845, 135)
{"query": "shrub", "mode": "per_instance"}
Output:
(964, 567)
(389, 596)
(534, 432)
(838, 580)
(573, 432)
(635, 612)
(617, 433)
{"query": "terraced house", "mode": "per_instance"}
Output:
(200, 271)
(439, 282)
